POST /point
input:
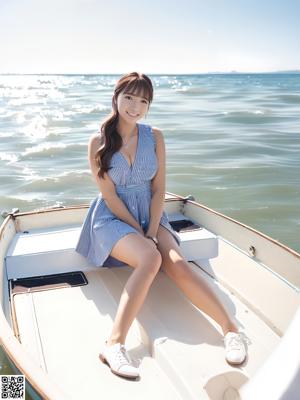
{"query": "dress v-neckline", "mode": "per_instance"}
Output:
(136, 150)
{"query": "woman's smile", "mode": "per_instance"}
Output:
(132, 115)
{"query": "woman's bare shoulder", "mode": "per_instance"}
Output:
(156, 130)
(157, 134)
(95, 139)
(94, 144)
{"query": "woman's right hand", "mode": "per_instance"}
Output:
(151, 242)
(140, 229)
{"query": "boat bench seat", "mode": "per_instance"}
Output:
(52, 250)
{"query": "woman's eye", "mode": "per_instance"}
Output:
(127, 97)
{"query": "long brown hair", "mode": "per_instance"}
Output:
(110, 140)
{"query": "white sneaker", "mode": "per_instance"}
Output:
(235, 347)
(118, 360)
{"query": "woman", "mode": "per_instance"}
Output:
(126, 223)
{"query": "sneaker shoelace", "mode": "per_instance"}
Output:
(122, 356)
(237, 341)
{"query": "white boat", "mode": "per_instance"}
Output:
(57, 310)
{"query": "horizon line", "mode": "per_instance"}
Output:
(296, 71)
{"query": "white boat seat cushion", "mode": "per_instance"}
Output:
(52, 250)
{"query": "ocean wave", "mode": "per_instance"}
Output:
(51, 150)
(53, 135)
(10, 157)
(9, 115)
(17, 201)
(89, 109)
(192, 90)
(6, 135)
(248, 117)
(90, 82)
(37, 128)
(41, 201)
(93, 127)
(27, 101)
(62, 182)
(289, 98)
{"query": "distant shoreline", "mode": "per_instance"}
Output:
(294, 72)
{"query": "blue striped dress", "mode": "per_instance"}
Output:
(101, 229)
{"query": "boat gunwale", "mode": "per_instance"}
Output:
(174, 199)
(263, 235)
(170, 200)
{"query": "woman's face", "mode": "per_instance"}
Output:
(132, 107)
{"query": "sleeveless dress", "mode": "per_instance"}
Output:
(101, 229)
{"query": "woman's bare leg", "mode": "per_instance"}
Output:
(193, 286)
(139, 253)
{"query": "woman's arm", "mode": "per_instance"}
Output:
(158, 185)
(107, 188)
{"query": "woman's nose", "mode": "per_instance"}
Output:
(134, 108)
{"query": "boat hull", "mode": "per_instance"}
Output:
(246, 263)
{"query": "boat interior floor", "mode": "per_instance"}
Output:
(178, 348)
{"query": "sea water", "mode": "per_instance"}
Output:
(232, 141)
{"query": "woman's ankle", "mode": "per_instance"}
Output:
(231, 327)
(111, 341)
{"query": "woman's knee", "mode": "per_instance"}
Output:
(178, 270)
(134, 250)
(150, 260)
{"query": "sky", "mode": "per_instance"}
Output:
(153, 37)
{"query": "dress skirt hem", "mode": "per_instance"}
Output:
(98, 253)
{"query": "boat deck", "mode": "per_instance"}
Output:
(178, 348)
